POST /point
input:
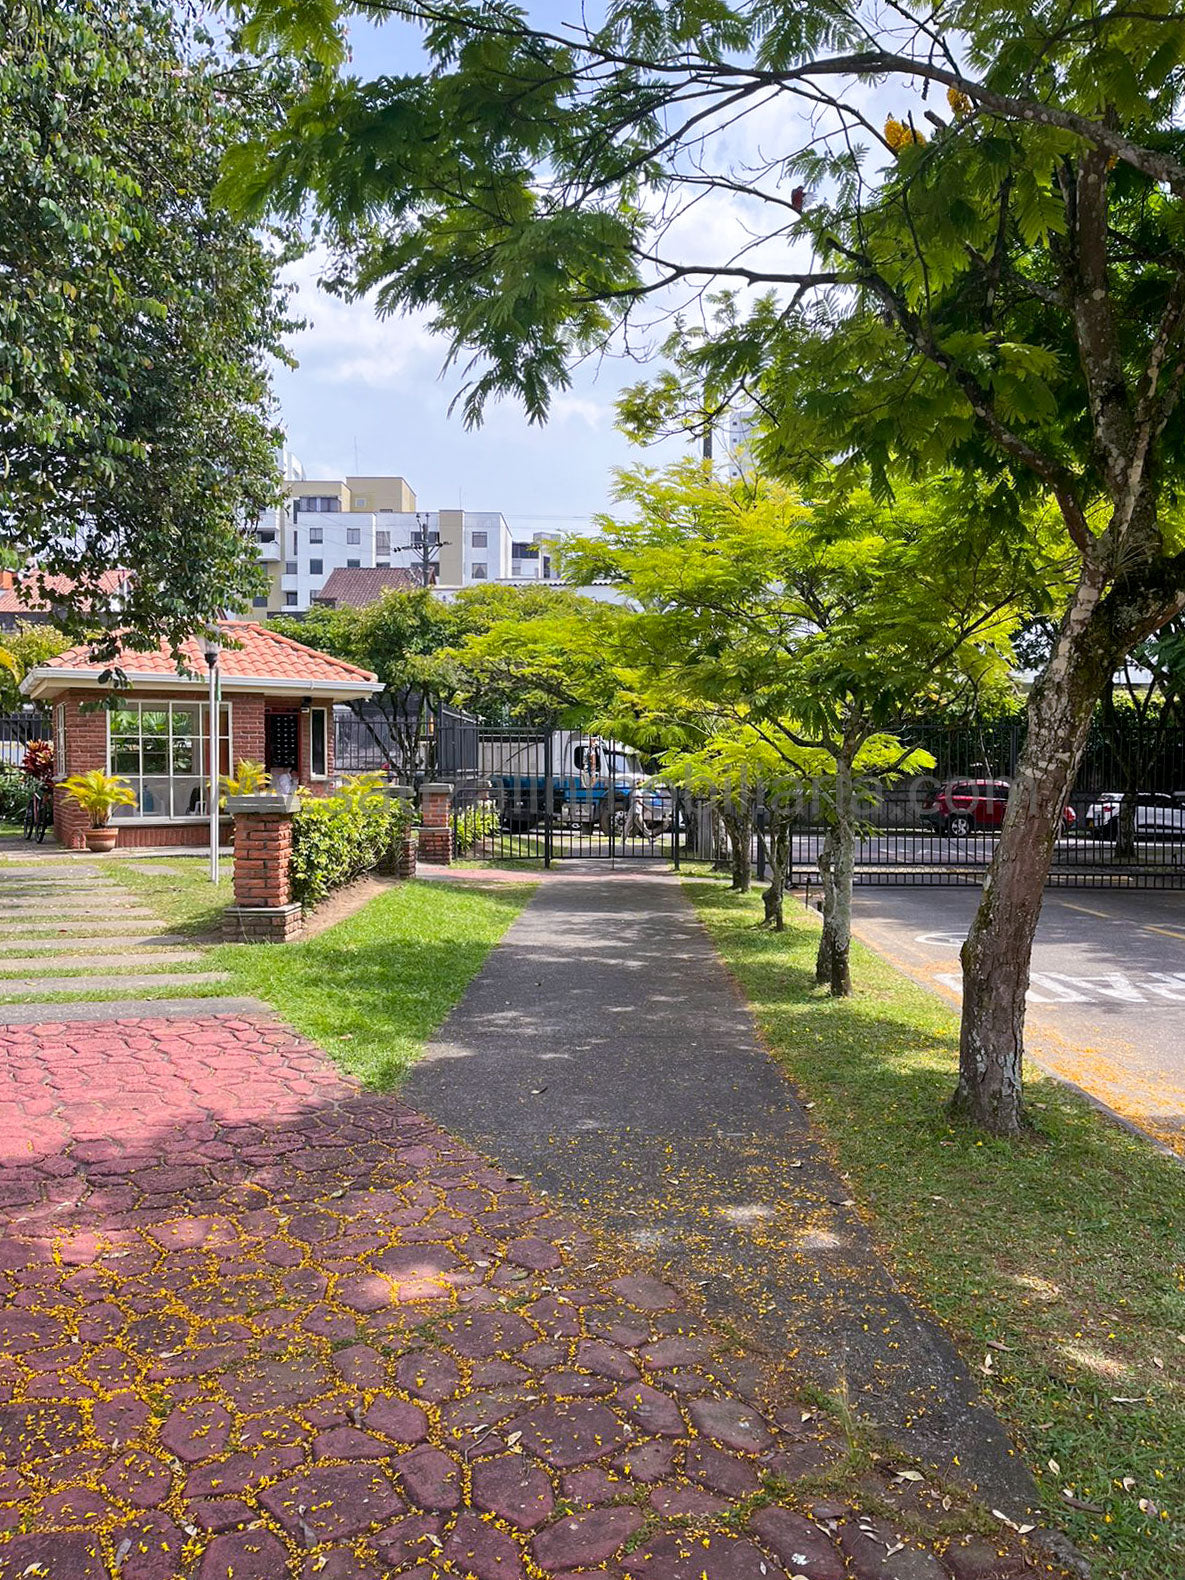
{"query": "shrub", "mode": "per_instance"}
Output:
(14, 793)
(338, 837)
(38, 761)
(475, 823)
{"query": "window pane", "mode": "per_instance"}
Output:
(189, 797)
(125, 757)
(154, 721)
(185, 720)
(185, 759)
(154, 797)
(125, 721)
(317, 752)
(156, 756)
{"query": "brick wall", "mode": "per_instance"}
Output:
(263, 849)
(86, 748)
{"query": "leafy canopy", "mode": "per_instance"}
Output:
(137, 319)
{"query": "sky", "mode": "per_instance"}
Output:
(371, 395)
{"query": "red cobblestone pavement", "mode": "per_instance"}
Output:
(258, 1324)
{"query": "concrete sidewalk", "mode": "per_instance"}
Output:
(604, 1054)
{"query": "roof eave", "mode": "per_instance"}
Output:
(40, 682)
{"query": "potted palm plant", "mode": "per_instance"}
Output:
(97, 794)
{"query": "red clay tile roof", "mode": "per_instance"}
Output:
(22, 597)
(354, 587)
(260, 654)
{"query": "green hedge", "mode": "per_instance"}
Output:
(336, 838)
(14, 793)
(474, 824)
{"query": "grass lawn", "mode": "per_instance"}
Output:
(1058, 1263)
(178, 889)
(373, 989)
(370, 990)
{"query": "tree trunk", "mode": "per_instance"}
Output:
(720, 860)
(776, 841)
(1125, 833)
(738, 825)
(1095, 635)
(837, 863)
(827, 877)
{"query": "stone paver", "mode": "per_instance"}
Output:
(256, 1323)
(71, 929)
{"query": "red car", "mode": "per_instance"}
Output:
(965, 806)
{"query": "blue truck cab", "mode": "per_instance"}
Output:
(593, 783)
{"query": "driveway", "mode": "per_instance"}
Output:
(1107, 1002)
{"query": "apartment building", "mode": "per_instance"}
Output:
(357, 523)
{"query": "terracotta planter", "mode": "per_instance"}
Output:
(98, 839)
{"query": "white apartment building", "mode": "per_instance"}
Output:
(362, 522)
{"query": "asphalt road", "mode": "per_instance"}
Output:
(1107, 1001)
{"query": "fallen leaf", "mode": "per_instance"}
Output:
(1055, 1467)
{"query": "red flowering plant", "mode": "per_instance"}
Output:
(38, 761)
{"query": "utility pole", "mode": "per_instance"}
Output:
(427, 565)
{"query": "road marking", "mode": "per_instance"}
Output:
(1169, 932)
(1058, 987)
(1086, 911)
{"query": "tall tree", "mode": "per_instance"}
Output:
(821, 629)
(402, 638)
(993, 280)
(137, 319)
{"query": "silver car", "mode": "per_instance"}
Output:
(1157, 816)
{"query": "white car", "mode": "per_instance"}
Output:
(1157, 816)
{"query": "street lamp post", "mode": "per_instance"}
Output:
(212, 649)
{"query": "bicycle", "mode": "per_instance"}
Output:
(39, 813)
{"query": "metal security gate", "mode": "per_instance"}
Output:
(541, 796)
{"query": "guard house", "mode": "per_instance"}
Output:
(276, 707)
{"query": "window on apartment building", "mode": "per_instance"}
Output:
(480, 540)
(353, 565)
(322, 503)
(478, 571)
(524, 551)
(382, 542)
(353, 534)
(160, 749)
(316, 567)
(290, 568)
(291, 600)
(382, 565)
(259, 603)
(359, 501)
(316, 534)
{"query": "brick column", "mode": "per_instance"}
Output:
(264, 911)
(400, 862)
(436, 827)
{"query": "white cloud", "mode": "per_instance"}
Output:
(347, 343)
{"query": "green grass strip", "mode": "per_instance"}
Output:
(1057, 1262)
(373, 989)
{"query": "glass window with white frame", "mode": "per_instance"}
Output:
(159, 748)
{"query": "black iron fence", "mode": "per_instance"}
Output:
(18, 729)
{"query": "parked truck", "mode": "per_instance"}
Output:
(593, 783)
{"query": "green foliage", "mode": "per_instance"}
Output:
(337, 838)
(27, 646)
(249, 778)
(139, 319)
(476, 823)
(403, 639)
(532, 654)
(14, 793)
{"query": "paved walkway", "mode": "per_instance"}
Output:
(256, 1324)
(604, 1054)
(69, 928)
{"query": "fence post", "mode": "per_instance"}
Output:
(264, 911)
(549, 794)
(675, 808)
(436, 829)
